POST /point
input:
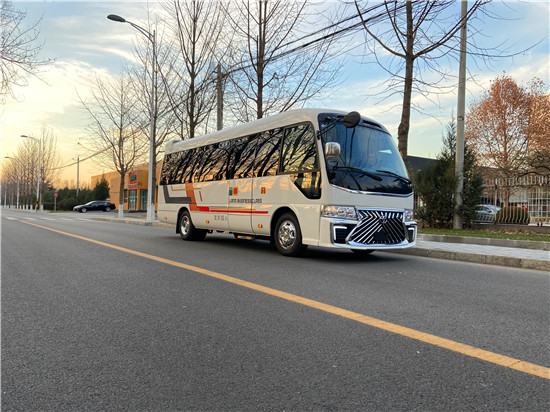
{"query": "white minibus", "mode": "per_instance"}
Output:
(303, 177)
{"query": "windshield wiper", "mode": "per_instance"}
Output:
(357, 170)
(402, 178)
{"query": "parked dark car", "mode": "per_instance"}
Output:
(95, 205)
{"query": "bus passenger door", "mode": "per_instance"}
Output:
(267, 191)
(211, 205)
(240, 206)
(209, 193)
(240, 186)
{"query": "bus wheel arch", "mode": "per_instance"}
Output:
(286, 233)
(186, 228)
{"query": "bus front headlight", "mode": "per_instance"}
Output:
(408, 216)
(340, 212)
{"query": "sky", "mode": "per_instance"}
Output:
(85, 44)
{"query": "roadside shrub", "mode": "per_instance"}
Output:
(101, 190)
(512, 215)
(435, 185)
(67, 204)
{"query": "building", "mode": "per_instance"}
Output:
(135, 187)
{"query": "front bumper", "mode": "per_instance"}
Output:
(376, 229)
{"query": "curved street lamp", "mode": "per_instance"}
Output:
(152, 38)
(39, 166)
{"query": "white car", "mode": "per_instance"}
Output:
(486, 213)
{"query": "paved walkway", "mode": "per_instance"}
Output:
(487, 250)
(513, 256)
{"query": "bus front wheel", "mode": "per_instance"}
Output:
(188, 231)
(288, 236)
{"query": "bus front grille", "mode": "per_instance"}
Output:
(378, 227)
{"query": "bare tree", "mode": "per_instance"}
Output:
(164, 119)
(50, 161)
(197, 28)
(538, 162)
(272, 72)
(22, 166)
(19, 49)
(184, 66)
(25, 164)
(115, 129)
(416, 35)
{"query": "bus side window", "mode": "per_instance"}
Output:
(204, 170)
(168, 169)
(220, 162)
(299, 150)
(187, 166)
(268, 153)
(242, 156)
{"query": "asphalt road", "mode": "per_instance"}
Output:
(86, 326)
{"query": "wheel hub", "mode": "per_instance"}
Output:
(287, 234)
(185, 225)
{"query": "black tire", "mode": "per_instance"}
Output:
(288, 236)
(188, 231)
(83, 210)
(107, 209)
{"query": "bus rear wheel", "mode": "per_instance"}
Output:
(188, 231)
(288, 236)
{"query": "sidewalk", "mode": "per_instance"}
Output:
(500, 252)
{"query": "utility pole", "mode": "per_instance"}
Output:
(77, 174)
(459, 152)
(219, 90)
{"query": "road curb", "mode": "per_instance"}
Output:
(508, 261)
(522, 244)
(130, 221)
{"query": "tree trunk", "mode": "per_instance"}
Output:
(261, 54)
(121, 195)
(403, 129)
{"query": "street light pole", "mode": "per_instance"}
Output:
(153, 40)
(39, 166)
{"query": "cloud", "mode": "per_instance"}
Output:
(52, 102)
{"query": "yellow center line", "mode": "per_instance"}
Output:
(451, 345)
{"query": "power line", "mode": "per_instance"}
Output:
(81, 160)
(342, 31)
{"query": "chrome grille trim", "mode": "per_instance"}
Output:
(372, 222)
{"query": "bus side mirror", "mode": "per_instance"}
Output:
(332, 151)
(352, 119)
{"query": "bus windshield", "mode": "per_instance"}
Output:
(369, 160)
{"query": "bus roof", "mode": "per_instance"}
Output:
(283, 119)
